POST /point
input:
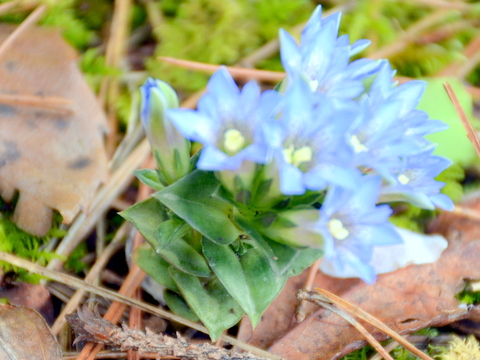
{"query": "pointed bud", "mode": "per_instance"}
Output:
(171, 149)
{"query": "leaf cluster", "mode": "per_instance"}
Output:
(209, 255)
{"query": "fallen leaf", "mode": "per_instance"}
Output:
(278, 318)
(25, 335)
(51, 130)
(35, 297)
(406, 300)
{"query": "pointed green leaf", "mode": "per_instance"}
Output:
(282, 258)
(184, 257)
(154, 265)
(150, 178)
(213, 305)
(192, 198)
(179, 306)
(146, 216)
(170, 231)
(249, 278)
(263, 283)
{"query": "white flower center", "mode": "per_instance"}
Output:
(403, 179)
(314, 85)
(337, 229)
(358, 147)
(296, 157)
(233, 142)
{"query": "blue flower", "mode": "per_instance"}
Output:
(307, 142)
(388, 127)
(323, 58)
(414, 181)
(352, 225)
(226, 122)
(171, 149)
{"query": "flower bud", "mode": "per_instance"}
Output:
(171, 149)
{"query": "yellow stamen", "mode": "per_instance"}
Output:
(234, 141)
(337, 229)
(403, 179)
(296, 157)
(314, 85)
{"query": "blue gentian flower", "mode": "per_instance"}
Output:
(414, 181)
(352, 225)
(226, 122)
(388, 127)
(323, 58)
(171, 149)
(307, 142)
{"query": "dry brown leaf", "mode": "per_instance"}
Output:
(406, 300)
(35, 297)
(25, 335)
(278, 318)
(52, 152)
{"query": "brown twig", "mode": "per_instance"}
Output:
(27, 23)
(472, 136)
(115, 50)
(47, 102)
(304, 295)
(89, 326)
(325, 295)
(411, 34)
(236, 72)
(312, 272)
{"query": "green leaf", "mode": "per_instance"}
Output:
(150, 178)
(147, 217)
(453, 142)
(249, 279)
(154, 265)
(170, 231)
(178, 305)
(192, 199)
(283, 259)
(184, 257)
(212, 303)
(263, 283)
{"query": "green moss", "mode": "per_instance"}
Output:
(16, 241)
(219, 32)
(74, 262)
(61, 14)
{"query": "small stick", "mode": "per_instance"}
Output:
(27, 23)
(48, 102)
(236, 72)
(304, 295)
(388, 348)
(466, 212)
(300, 311)
(325, 295)
(472, 136)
